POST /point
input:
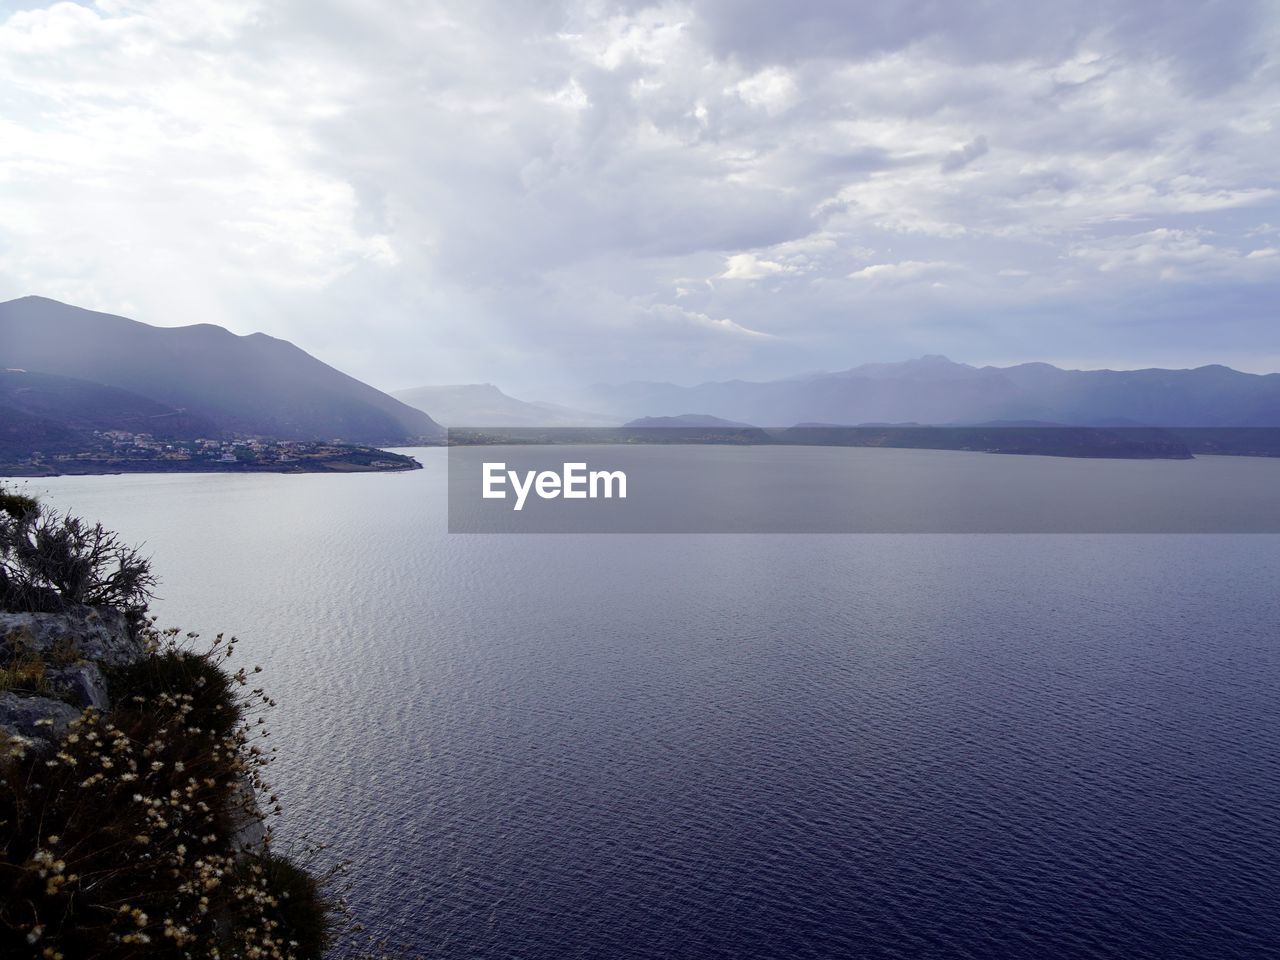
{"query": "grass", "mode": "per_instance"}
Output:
(299, 904)
(25, 673)
(212, 704)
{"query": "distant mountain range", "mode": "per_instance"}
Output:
(935, 390)
(484, 405)
(683, 421)
(67, 370)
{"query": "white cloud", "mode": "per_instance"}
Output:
(747, 266)
(772, 90)
(1171, 254)
(684, 321)
(504, 191)
(902, 272)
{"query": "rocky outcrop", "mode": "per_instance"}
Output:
(71, 648)
(80, 684)
(248, 826)
(98, 634)
(33, 720)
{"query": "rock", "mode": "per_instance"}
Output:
(249, 831)
(74, 645)
(35, 718)
(100, 634)
(81, 684)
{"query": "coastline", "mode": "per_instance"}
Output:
(361, 460)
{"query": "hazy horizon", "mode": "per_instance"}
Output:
(535, 195)
(792, 376)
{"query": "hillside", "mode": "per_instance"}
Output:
(251, 385)
(935, 390)
(40, 411)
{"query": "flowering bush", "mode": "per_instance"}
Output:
(138, 834)
(128, 839)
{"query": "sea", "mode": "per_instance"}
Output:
(959, 746)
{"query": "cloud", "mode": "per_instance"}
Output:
(519, 192)
(902, 272)
(1211, 44)
(1178, 255)
(747, 266)
(725, 325)
(772, 90)
(961, 157)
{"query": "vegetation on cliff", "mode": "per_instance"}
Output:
(50, 561)
(132, 829)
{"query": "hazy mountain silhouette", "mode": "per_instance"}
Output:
(684, 420)
(484, 405)
(935, 390)
(254, 385)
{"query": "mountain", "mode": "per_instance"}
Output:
(684, 420)
(252, 385)
(484, 405)
(40, 411)
(935, 390)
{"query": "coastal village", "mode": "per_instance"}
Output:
(122, 451)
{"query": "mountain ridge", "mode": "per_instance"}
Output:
(242, 384)
(933, 389)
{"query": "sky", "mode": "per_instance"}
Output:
(547, 194)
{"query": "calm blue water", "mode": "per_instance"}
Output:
(974, 746)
